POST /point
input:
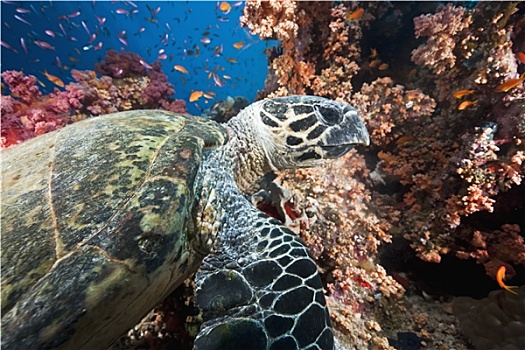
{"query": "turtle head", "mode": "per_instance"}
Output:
(302, 131)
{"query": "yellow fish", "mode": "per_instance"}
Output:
(54, 79)
(238, 45)
(225, 7)
(180, 68)
(500, 276)
(195, 95)
(465, 104)
(356, 15)
(461, 93)
(510, 84)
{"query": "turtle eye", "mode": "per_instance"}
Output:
(329, 114)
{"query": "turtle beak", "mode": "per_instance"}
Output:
(349, 133)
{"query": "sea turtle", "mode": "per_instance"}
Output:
(104, 218)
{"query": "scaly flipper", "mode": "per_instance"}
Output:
(262, 290)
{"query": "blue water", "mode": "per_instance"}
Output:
(178, 27)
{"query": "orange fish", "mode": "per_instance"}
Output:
(510, 84)
(383, 66)
(225, 7)
(500, 276)
(180, 68)
(404, 139)
(373, 53)
(374, 63)
(465, 104)
(238, 45)
(54, 79)
(356, 15)
(521, 57)
(231, 60)
(461, 93)
(195, 95)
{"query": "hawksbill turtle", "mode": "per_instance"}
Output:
(104, 218)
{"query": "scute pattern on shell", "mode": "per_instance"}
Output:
(103, 204)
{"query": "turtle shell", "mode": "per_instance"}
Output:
(96, 225)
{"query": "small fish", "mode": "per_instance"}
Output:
(225, 7)
(54, 79)
(58, 62)
(238, 45)
(205, 40)
(151, 20)
(144, 64)
(180, 68)
(195, 95)
(101, 20)
(21, 10)
(74, 14)
(122, 11)
(22, 20)
(155, 12)
(231, 60)
(510, 84)
(218, 50)
(375, 63)
(356, 15)
(461, 93)
(404, 140)
(23, 43)
(500, 276)
(383, 66)
(227, 77)
(373, 53)
(217, 80)
(162, 56)
(521, 57)
(86, 28)
(73, 59)
(92, 38)
(62, 29)
(98, 46)
(9, 47)
(465, 104)
(123, 41)
(50, 33)
(44, 45)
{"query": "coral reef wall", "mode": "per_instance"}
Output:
(124, 84)
(441, 90)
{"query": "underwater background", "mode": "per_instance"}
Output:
(420, 236)
(58, 36)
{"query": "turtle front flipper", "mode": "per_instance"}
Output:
(262, 290)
